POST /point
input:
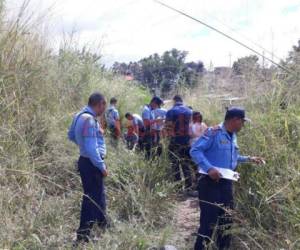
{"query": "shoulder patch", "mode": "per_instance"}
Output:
(89, 127)
(212, 131)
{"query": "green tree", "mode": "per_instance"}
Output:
(291, 81)
(163, 72)
(246, 65)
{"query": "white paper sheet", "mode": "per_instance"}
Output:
(226, 174)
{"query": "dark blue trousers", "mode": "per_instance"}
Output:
(148, 141)
(214, 199)
(179, 156)
(93, 201)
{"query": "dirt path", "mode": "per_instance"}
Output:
(187, 223)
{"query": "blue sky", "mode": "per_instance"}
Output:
(131, 29)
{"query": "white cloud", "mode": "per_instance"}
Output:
(132, 29)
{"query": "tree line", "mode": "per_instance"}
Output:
(163, 72)
(168, 71)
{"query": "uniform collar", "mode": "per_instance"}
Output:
(148, 106)
(178, 104)
(89, 110)
(224, 131)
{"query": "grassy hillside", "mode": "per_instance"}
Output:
(40, 187)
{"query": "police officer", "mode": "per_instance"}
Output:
(113, 121)
(159, 114)
(218, 148)
(178, 119)
(85, 132)
(149, 120)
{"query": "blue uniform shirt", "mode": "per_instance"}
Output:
(180, 116)
(147, 115)
(159, 113)
(216, 148)
(138, 121)
(85, 132)
(112, 116)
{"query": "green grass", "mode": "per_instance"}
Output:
(40, 188)
(267, 197)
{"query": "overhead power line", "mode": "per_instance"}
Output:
(243, 36)
(228, 36)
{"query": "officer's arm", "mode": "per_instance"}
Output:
(240, 158)
(198, 149)
(90, 144)
(243, 158)
(117, 116)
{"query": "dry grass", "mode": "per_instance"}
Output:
(267, 197)
(40, 188)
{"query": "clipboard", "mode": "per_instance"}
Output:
(226, 173)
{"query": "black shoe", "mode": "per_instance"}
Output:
(80, 241)
(82, 238)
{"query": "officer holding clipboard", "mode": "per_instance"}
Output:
(217, 152)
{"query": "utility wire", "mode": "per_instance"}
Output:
(228, 36)
(243, 36)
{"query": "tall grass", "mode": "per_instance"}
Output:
(40, 188)
(267, 211)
